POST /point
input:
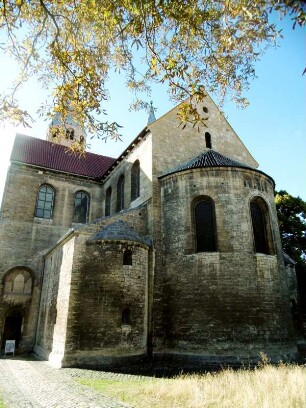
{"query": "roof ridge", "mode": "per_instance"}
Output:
(19, 135)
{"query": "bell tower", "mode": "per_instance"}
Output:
(66, 133)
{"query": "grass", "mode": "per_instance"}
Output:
(268, 386)
(1, 401)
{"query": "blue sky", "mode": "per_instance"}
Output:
(273, 126)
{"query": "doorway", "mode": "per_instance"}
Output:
(12, 328)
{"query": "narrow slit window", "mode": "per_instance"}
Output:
(208, 140)
(135, 180)
(108, 199)
(126, 318)
(120, 193)
(127, 257)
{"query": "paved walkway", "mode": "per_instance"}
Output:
(29, 383)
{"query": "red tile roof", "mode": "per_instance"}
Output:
(41, 153)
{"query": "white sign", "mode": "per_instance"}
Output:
(9, 347)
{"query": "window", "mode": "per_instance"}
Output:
(259, 215)
(120, 193)
(208, 140)
(54, 132)
(125, 316)
(135, 180)
(127, 257)
(70, 134)
(108, 198)
(44, 202)
(18, 283)
(81, 207)
(205, 226)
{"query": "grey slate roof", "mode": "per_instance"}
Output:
(209, 158)
(118, 231)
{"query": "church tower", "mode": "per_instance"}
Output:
(67, 133)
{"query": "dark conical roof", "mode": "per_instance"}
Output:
(209, 158)
(118, 231)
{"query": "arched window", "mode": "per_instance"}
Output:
(208, 140)
(127, 257)
(126, 316)
(120, 193)
(81, 207)
(108, 198)
(260, 222)
(44, 202)
(205, 225)
(135, 180)
(70, 134)
(18, 282)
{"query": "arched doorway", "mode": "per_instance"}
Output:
(12, 327)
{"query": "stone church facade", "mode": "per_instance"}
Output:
(171, 250)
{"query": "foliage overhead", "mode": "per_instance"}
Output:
(71, 46)
(291, 213)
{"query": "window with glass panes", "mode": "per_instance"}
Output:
(44, 202)
(81, 207)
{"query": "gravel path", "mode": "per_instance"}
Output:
(26, 382)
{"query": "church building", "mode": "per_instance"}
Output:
(171, 250)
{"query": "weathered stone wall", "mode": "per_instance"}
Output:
(173, 145)
(19, 299)
(228, 302)
(142, 151)
(24, 238)
(54, 303)
(102, 287)
(89, 287)
(22, 185)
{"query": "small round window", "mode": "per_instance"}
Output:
(205, 109)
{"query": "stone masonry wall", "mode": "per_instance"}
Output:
(171, 146)
(227, 302)
(101, 288)
(24, 238)
(142, 152)
(54, 304)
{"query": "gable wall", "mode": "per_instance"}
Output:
(173, 145)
